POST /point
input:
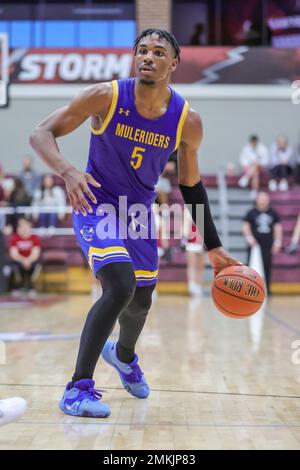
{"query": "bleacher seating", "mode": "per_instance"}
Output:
(286, 268)
(64, 249)
(175, 271)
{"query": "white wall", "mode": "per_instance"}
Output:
(228, 124)
(228, 117)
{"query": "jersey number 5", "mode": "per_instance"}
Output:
(136, 157)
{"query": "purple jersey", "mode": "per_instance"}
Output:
(129, 152)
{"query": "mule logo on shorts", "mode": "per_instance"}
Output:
(87, 233)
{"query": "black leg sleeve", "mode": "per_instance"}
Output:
(132, 321)
(118, 284)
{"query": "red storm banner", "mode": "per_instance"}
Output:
(216, 65)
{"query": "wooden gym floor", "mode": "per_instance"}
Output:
(217, 383)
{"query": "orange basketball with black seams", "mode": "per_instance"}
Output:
(238, 291)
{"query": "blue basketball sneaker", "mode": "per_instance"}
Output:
(130, 374)
(83, 400)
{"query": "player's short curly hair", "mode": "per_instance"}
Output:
(161, 33)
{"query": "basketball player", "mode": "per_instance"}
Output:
(11, 409)
(136, 124)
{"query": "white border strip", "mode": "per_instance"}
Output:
(4, 46)
(279, 92)
(4, 76)
(210, 91)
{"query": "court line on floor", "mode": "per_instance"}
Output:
(254, 395)
(282, 323)
(202, 425)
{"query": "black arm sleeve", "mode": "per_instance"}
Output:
(193, 196)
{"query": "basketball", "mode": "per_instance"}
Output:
(238, 291)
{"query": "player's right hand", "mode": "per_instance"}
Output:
(77, 185)
(221, 259)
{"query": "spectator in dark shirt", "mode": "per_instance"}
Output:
(29, 177)
(262, 227)
(197, 39)
(17, 198)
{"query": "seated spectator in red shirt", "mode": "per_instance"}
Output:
(25, 250)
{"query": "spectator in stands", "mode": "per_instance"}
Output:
(29, 177)
(2, 194)
(193, 245)
(294, 245)
(8, 185)
(280, 160)
(258, 34)
(262, 227)
(297, 162)
(18, 197)
(163, 190)
(24, 251)
(3, 202)
(1, 174)
(52, 196)
(253, 159)
(163, 187)
(3, 251)
(197, 36)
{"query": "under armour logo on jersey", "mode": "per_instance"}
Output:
(121, 111)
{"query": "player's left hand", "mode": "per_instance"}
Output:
(220, 259)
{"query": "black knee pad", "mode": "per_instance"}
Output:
(142, 299)
(118, 282)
